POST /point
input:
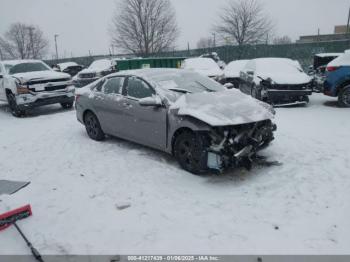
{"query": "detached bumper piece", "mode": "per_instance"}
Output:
(236, 146)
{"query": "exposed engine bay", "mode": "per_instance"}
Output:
(235, 146)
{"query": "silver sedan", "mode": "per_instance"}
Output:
(204, 125)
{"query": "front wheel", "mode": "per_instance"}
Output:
(344, 97)
(15, 110)
(93, 127)
(190, 150)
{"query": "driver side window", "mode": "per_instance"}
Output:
(138, 89)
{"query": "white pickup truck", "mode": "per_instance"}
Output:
(25, 84)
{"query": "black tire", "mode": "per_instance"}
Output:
(344, 97)
(256, 93)
(93, 127)
(15, 110)
(68, 105)
(190, 150)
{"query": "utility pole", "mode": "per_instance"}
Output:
(31, 29)
(214, 35)
(188, 48)
(56, 47)
(1, 57)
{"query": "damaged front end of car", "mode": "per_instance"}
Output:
(236, 146)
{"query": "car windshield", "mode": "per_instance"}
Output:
(26, 67)
(101, 64)
(186, 82)
(276, 65)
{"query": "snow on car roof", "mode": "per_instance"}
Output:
(342, 60)
(200, 63)
(66, 65)
(234, 67)
(328, 54)
(101, 64)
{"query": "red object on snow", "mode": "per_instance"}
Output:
(10, 217)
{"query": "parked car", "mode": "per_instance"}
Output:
(278, 81)
(96, 70)
(337, 83)
(70, 68)
(204, 66)
(25, 84)
(319, 69)
(216, 58)
(204, 125)
(232, 73)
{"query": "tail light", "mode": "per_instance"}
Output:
(332, 68)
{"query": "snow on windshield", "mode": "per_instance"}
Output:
(200, 63)
(268, 65)
(186, 82)
(235, 67)
(66, 65)
(101, 64)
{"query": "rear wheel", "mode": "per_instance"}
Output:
(93, 127)
(68, 105)
(190, 150)
(344, 97)
(15, 110)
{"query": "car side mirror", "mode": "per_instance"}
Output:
(151, 101)
(1, 76)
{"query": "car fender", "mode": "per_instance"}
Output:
(177, 123)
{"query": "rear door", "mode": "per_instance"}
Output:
(143, 124)
(108, 104)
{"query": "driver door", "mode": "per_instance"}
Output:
(143, 124)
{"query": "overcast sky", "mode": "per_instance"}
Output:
(82, 24)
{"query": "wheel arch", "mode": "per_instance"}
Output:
(342, 85)
(178, 132)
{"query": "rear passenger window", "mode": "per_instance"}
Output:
(113, 85)
(138, 88)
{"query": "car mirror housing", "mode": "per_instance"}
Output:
(151, 101)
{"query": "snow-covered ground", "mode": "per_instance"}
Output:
(79, 190)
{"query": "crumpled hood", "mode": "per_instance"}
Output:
(285, 78)
(40, 75)
(229, 107)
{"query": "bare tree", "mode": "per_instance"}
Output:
(244, 22)
(205, 42)
(24, 41)
(144, 26)
(283, 40)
